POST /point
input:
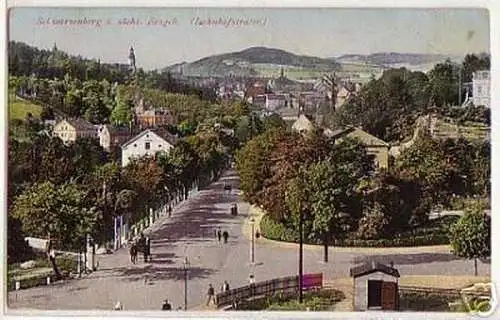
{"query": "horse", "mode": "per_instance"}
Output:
(133, 253)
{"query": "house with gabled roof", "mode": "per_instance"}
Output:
(303, 124)
(375, 287)
(148, 143)
(375, 147)
(68, 130)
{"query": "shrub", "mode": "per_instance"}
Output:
(373, 223)
(316, 301)
(424, 302)
(421, 237)
(277, 231)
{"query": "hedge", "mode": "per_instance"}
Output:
(429, 236)
(425, 302)
(322, 300)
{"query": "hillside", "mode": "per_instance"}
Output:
(392, 58)
(19, 109)
(267, 62)
(251, 62)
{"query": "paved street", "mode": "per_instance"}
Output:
(190, 232)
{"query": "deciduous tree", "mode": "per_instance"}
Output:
(470, 237)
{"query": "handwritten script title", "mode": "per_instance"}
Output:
(225, 22)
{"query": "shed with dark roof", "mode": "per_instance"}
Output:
(375, 287)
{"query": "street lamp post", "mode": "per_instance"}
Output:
(301, 255)
(252, 246)
(186, 266)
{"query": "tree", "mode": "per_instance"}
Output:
(59, 210)
(470, 237)
(145, 178)
(473, 63)
(331, 83)
(122, 113)
(426, 163)
(17, 249)
(443, 81)
(253, 163)
(373, 224)
(328, 185)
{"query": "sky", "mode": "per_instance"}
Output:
(184, 34)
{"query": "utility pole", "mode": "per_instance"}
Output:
(186, 265)
(252, 248)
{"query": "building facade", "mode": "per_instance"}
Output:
(375, 147)
(147, 144)
(68, 130)
(110, 136)
(481, 88)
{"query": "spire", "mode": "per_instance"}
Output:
(54, 47)
(131, 59)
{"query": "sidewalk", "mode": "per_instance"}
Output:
(258, 213)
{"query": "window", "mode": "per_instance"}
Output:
(135, 145)
(159, 146)
(147, 145)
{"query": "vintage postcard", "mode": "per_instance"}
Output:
(249, 159)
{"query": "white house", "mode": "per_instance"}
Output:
(481, 88)
(375, 287)
(147, 144)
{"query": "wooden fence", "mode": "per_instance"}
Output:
(286, 286)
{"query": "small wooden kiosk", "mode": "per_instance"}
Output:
(375, 287)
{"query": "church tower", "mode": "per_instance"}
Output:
(131, 59)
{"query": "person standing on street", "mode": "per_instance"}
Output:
(166, 305)
(225, 286)
(251, 279)
(226, 236)
(219, 234)
(148, 248)
(210, 294)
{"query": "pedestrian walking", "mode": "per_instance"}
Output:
(169, 210)
(210, 294)
(225, 235)
(148, 248)
(133, 253)
(219, 234)
(251, 279)
(166, 305)
(118, 306)
(225, 286)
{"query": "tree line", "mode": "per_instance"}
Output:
(338, 192)
(388, 107)
(71, 190)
